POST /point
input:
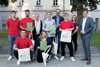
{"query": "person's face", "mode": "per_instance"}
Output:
(44, 34)
(66, 17)
(49, 15)
(37, 16)
(13, 15)
(27, 14)
(85, 14)
(74, 18)
(57, 12)
(23, 33)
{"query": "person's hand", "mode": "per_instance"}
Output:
(60, 29)
(48, 46)
(69, 29)
(37, 33)
(16, 49)
(83, 32)
(58, 25)
(48, 30)
(38, 47)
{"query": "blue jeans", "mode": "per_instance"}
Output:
(12, 40)
(58, 33)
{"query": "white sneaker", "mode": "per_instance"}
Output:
(49, 57)
(62, 58)
(56, 57)
(10, 57)
(18, 62)
(72, 58)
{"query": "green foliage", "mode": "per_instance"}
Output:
(4, 2)
(91, 4)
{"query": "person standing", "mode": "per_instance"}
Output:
(86, 27)
(13, 26)
(48, 22)
(66, 24)
(37, 29)
(74, 33)
(58, 19)
(24, 21)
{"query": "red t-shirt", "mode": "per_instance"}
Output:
(13, 27)
(23, 43)
(66, 25)
(24, 22)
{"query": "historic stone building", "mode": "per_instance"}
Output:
(38, 6)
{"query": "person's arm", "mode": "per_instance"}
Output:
(91, 26)
(38, 43)
(44, 26)
(60, 29)
(50, 43)
(72, 27)
(31, 45)
(75, 30)
(80, 27)
(15, 47)
(7, 25)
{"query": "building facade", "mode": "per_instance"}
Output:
(39, 6)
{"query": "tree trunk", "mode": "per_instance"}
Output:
(79, 8)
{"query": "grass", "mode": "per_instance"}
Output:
(95, 40)
(3, 39)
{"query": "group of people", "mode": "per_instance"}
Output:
(41, 32)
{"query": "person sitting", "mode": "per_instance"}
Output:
(22, 43)
(43, 37)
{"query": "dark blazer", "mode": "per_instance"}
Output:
(89, 26)
(60, 19)
(49, 42)
(34, 31)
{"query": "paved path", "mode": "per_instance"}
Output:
(54, 63)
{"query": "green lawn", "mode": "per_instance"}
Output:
(95, 41)
(3, 39)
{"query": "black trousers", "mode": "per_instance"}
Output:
(63, 45)
(16, 54)
(74, 38)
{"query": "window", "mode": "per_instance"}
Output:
(71, 1)
(55, 2)
(21, 2)
(38, 2)
(3, 26)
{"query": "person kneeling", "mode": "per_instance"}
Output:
(43, 37)
(22, 43)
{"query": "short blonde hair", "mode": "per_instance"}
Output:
(66, 14)
(49, 12)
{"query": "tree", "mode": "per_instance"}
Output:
(4, 2)
(80, 5)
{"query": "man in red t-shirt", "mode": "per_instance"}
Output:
(22, 43)
(13, 26)
(66, 24)
(24, 21)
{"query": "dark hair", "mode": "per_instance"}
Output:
(85, 11)
(27, 11)
(75, 18)
(13, 12)
(23, 30)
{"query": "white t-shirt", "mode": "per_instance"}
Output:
(37, 26)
